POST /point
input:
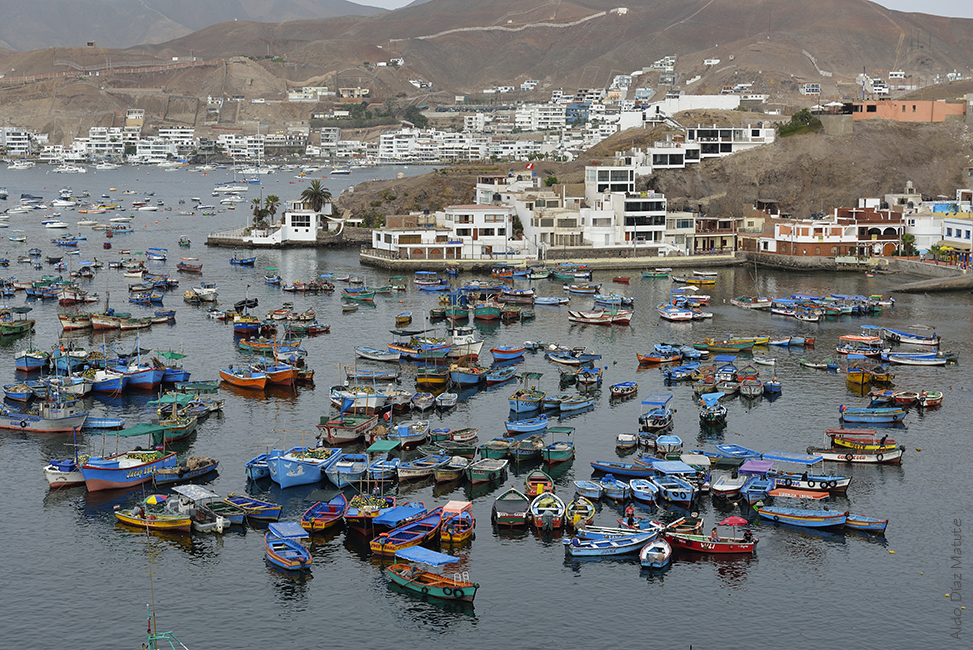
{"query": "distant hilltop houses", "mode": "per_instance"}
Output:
(497, 122)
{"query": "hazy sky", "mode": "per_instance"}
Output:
(959, 8)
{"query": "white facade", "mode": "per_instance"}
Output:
(540, 117)
(105, 142)
(482, 229)
(16, 141)
(957, 231)
(299, 224)
(184, 137)
(154, 150)
(418, 243)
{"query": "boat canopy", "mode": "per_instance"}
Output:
(172, 356)
(393, 516)
(141, 429)
(179, 399)
(425, 556)
(195, 492)
(382, 446)
(559, 430)
(710, 399)
(658, 399)
(672, 467)
(725, 358)
(696, 459)
(290, 529)
(456, 507)
(785, 457)
(754, 466)
(798, 494)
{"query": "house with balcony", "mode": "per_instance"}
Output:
(879, 231)
(725, 140)
(715, 233)
(482, 229)
(298, 226)
(417, 243)
(957, 229)
(817, 237)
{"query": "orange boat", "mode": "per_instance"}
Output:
(244, 378)
(538, 482)
(621, 280)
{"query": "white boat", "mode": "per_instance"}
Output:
(106, 166)
(705, 274)
(87, 222)
(376, 355)
(464, 343)
(148, 208)
(21, 164)
(55, 224)
(363, 398)
(655, 555)
(446, 400)
(120, 219)
(69, 169)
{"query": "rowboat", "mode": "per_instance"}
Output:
(817, 517)
(428, 583)
(512, 509)
(612, 488)
(644, 490)
(507, 352)
(244, 378)
(628, 470)
(538, 482)
(658, 417)
(657, 273)
(255, 508)
(152, 514)
(608, 546)
(885, 415)
(422, 467)
(892, 457)
(373, 354)
(580, 512)
(410, 434)
(870, 524)
(349, 469)
(300, 465)
(655, 555)
(411, 534)
(547, 511)
(527, 426)
(283, 547)
(624, 389)
(703, 544)
(487, 470)
(500, 375)
(354, 374)
(558, 451)
(322, 516)
(929, 399)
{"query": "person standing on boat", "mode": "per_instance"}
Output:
(715, 535)
(630, 516)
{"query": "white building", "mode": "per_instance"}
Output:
(298, 225)
(308, 94)
(418, 243)
(540, 117)
(957, 230)
(183, 137)
(16, 141)
(105, 142)
(482, 229)
(154, 150)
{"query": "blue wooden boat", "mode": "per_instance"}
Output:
(300, 465)
(243, 261)
(527, 426)
(525, 400)
(644, 490)
(681, 373)
(125, 470)
(283, 548)
(870, 524)
(321, 515)
(658, 417)
(18, 392)
(384, 469)
(467, 375)
(399, 515)
(411, 534)
(507, 352)
(103, 423)
(576, 403)
(347, 470)
(730, 451)
(758, 484)
(628, 470)
(676, 490)
(588, 489)
(818, 517)
(609, 546)
(257, 468)
(255, 508)
(886, 415)
(668, 444)
(501, 374)
(614, 489)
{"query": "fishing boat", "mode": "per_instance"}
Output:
(54, 416)
(866, 524)
(487, 470)
(612, 488)
(675, 490)
(321, 516)
(658, 416)
(713, 545)
(711, 412)
(628, 470)
(255, 508)
(559, 451)
(192, 469)
(792, 506)
(124, 470)
(547, 511)
(151, 514)
(511, 509)
(452, 470)
(524, 400)
(752, 302)
(244, 378)
(644, 490)
(283, 547)
(189, 265)
(842, 454)
(623, 389)
(886, 415)
(413, 533)
(428, 583)
(507, 352)
(527, 426)
(300, 465)
(422, 467)
(930, 399)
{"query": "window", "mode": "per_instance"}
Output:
(540, 203)
(406, 240)
(502, 232)
(903, 108)
(913, 108)
(871, 108)
(764, 245)
(486, 232)
(949, 232)
(817, 250)
(462, 232)
(966, 234)
(300, 221)
(388, 238)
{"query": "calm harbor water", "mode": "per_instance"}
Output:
(72, 574)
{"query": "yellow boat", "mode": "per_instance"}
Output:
(756, 340)
(458, 522)
(151, 513)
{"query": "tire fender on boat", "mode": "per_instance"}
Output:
(447, 591)
(848, 457)
(811, 483)
(425, 590)
(880, 457)
(788, 482)
(776, 518)
(458, 593)
(23, 424)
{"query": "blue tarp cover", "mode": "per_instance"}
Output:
(424, 555)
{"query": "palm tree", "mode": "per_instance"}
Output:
(271, 203)
(260, 214)
(316, 195)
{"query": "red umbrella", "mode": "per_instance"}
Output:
(734, 521)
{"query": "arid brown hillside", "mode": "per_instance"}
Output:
(805, 173)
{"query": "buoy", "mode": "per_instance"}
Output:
(917, 449)
(892, 552)
(157, 222)
(947, 595)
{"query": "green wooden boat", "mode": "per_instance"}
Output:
(560, 275)
(10, 326)
(496, 448)
(457, 313)
(450, 448)
(437, 312)
(487, 469)
(427, 583)
(197, 386)
(486, 311)
(558, 451)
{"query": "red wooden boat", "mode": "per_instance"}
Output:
(621, 280)
(244, 378)
(322, 516)
(703, 544)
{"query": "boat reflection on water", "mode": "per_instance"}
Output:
(290, 586)
(732, 570)
(435, 614)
